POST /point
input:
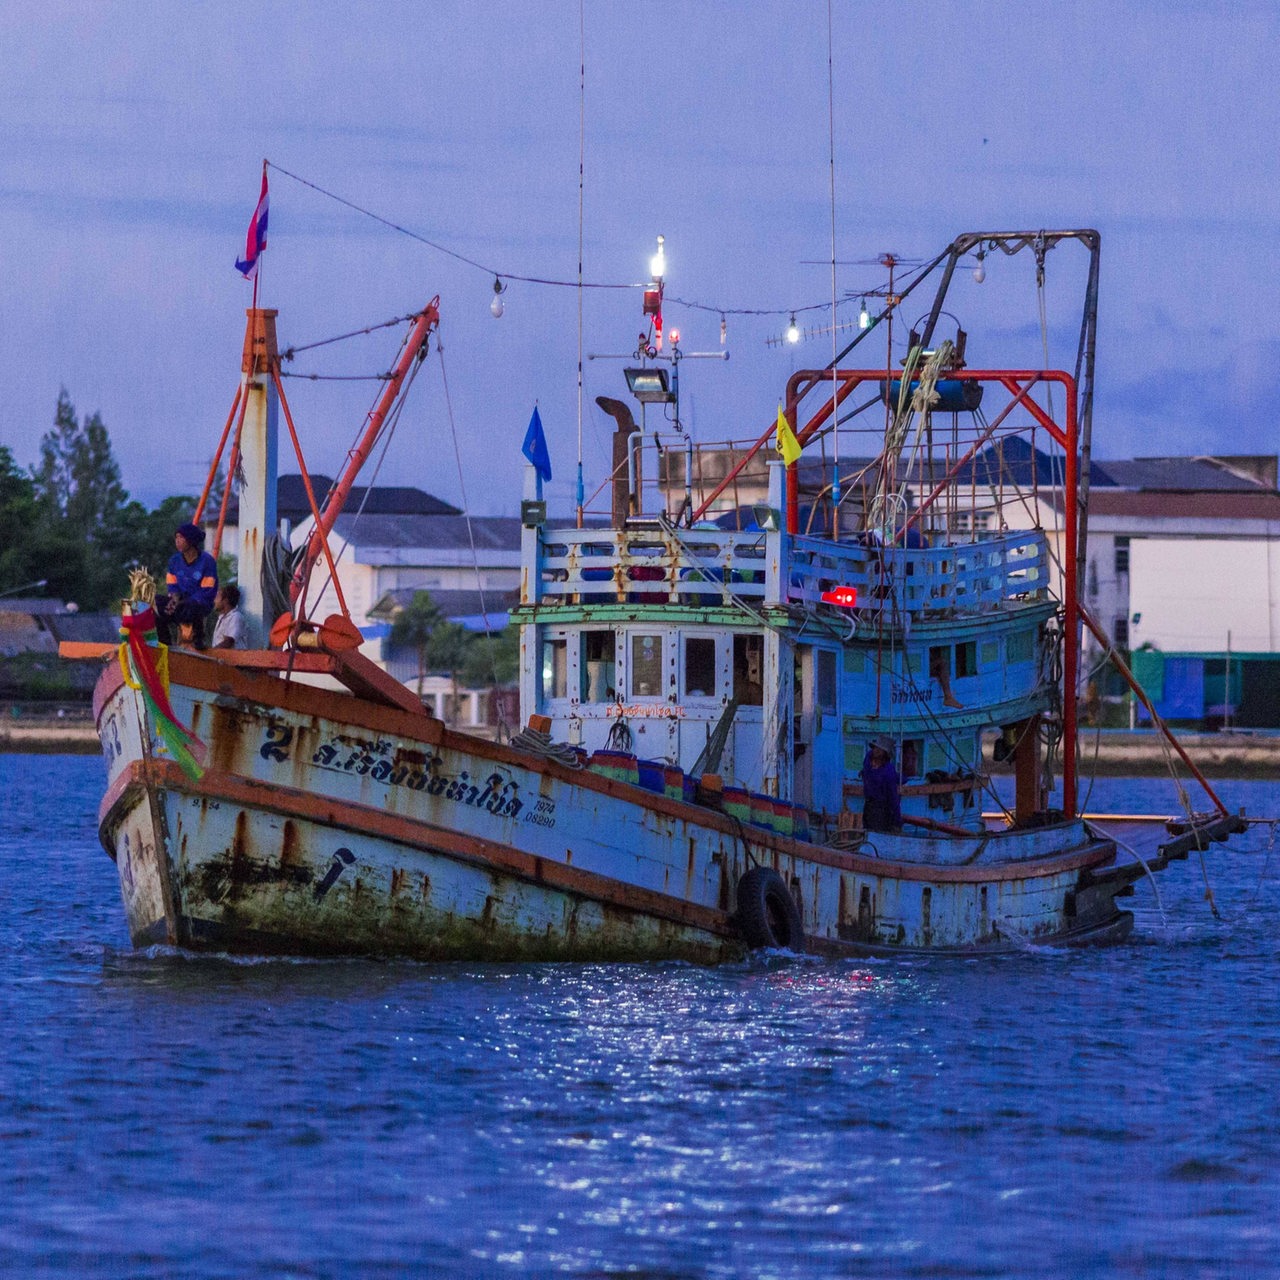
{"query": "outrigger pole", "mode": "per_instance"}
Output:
(1122, 667)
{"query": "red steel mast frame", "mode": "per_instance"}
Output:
(1019, 383)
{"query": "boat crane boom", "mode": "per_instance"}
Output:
(427, 320)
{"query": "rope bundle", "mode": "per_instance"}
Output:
(538, 743)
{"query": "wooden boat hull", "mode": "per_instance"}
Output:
(326, 823)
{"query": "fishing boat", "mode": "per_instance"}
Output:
(701, 685)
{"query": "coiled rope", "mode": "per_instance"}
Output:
(538, 743)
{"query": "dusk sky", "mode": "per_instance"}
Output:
(134, 135)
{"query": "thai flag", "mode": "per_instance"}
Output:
(256, 239)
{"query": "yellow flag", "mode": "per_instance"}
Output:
(787, 445)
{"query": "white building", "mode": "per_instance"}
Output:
(390, 542)
(378, 555)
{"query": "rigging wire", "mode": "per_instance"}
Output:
(835, 343)
(669, 299)
(388, 431)
(440, 248)
(582, 170)
(471, 538)
(290, 352)
(339, 377)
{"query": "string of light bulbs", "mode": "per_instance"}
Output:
(501, 277)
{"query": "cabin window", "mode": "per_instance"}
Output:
(912, 753)
(1020, 646)
(990, 653)
(598, 668)
(555, 668)
(967, 658)
(1120, 632)
(699, 667)
(748, 670)
(646, 666)
(854, 662)
(826, 690)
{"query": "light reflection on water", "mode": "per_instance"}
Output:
(1050, 1112)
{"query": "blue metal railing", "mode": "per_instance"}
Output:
(662, 566)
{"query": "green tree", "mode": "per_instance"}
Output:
(493, 660)
(78, 476)
(19, 556)
(83, 510)
(413, 627)
(139, 537)
(447, 650)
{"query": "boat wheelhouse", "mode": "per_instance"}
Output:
(665, 640)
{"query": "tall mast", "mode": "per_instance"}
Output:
(257, 493)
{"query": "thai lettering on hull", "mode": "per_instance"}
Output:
(380, 760)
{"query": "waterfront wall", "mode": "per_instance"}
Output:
(1113, 753)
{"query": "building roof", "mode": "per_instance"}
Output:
(1255, 505)
(31, 605)
(1174, 474)
(438, 532)
(1015, 461)
(102, 628)
(383, 500)
(397, 500)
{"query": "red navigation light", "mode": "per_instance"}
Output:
(845, 597)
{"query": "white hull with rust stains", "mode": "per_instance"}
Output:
(326, 823)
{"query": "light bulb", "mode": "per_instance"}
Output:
(793, 331)
(980, 271)
(864, 316)
(723, 330)
(658, 263)
(495, 307)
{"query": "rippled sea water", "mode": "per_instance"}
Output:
(1096, 1113)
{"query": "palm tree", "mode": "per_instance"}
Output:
(415, 625)
(447, 651)
(493, 662)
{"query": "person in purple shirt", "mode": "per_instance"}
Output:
(881, 808)
(190, 585)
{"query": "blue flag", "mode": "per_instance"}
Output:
(535, 447)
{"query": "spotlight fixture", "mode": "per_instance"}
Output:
(658, 263)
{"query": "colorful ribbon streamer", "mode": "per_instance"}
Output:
(150, 675)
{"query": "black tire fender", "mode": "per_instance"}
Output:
(767, 913)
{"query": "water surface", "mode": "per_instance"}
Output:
(1103, 1113)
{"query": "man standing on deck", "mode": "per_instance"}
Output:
(191, 585)
(881, 809)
